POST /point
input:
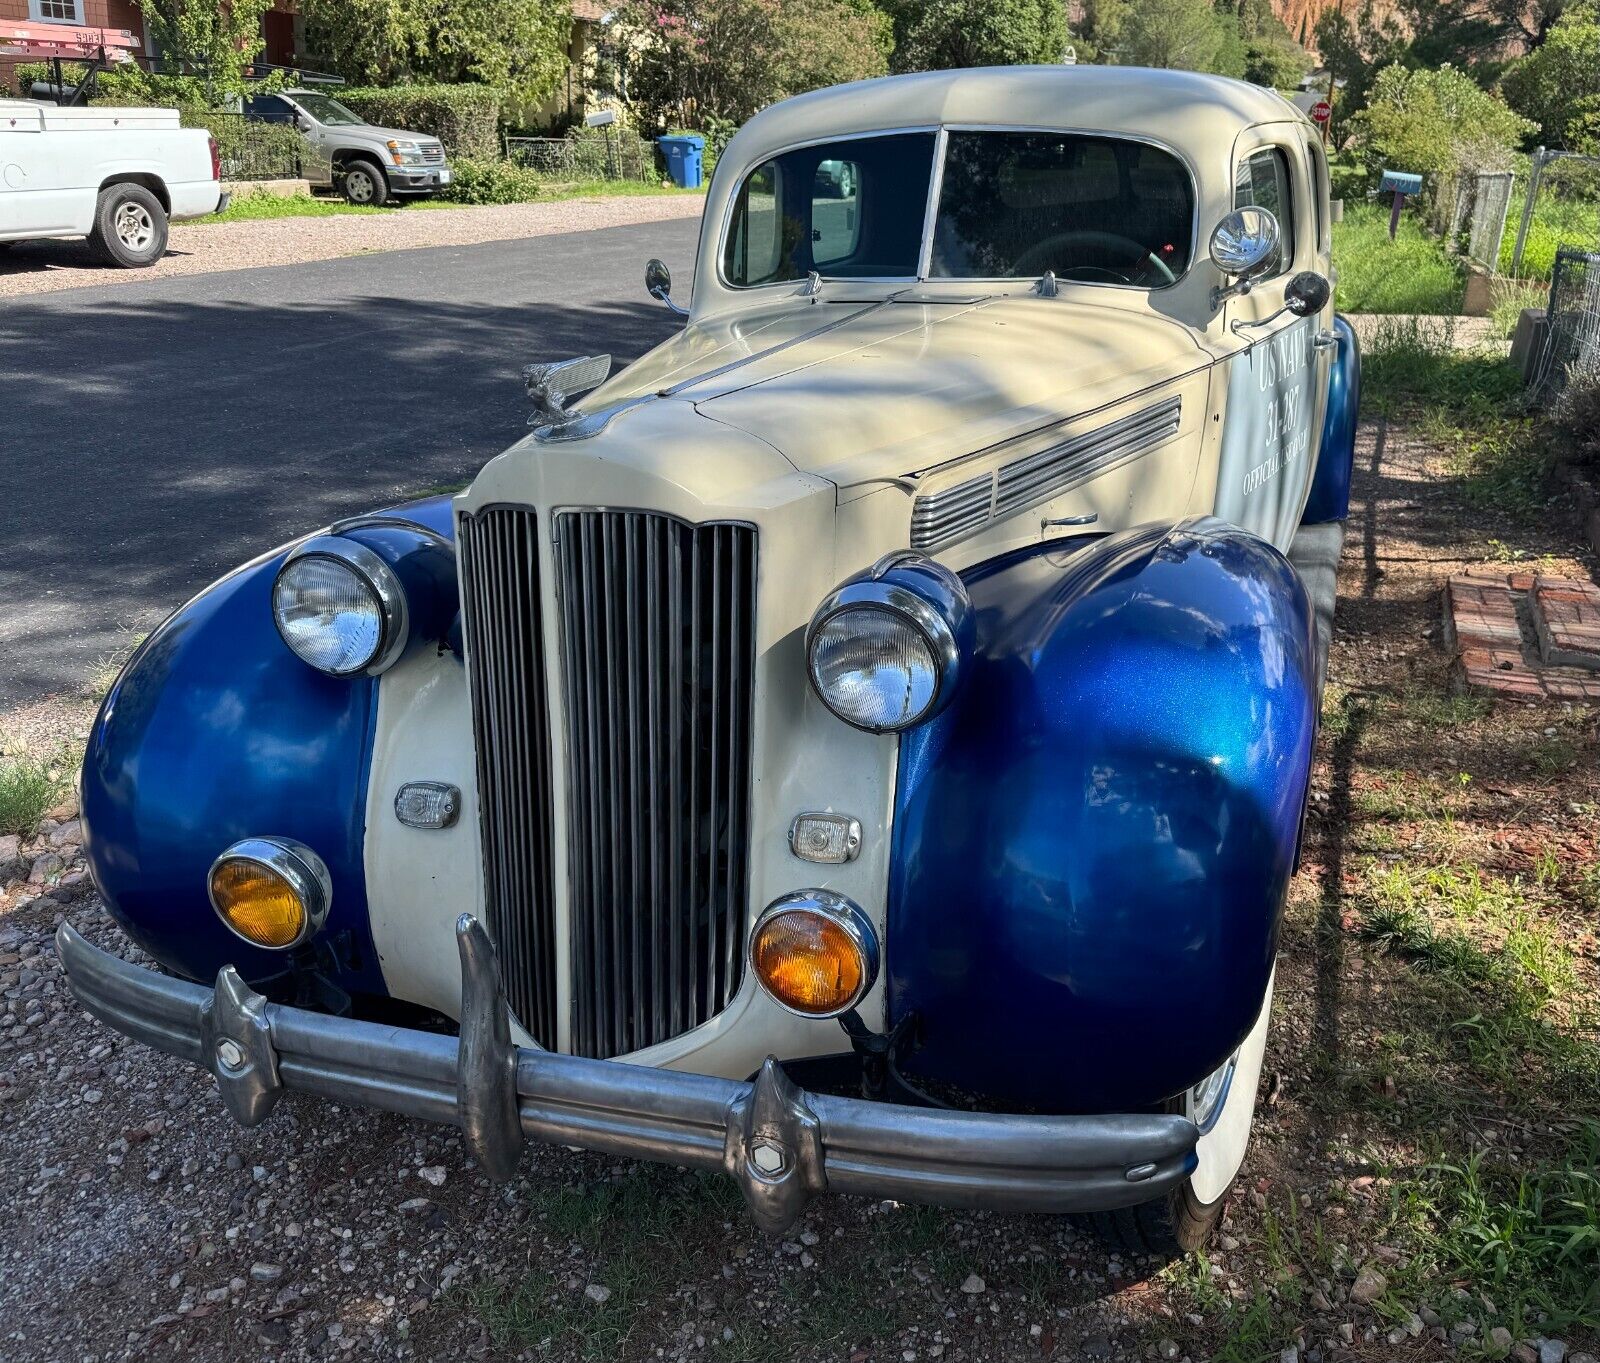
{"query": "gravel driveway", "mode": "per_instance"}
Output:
(202, 248)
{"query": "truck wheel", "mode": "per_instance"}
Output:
(364, 183)
(130, 227)
(1183, 1220)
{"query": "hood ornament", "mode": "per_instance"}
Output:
(550, 385)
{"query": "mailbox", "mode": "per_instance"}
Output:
(1400, 182)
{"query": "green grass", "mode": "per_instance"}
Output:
(29, 786)
(261, 206)
(1411, 274)
(1558, 220)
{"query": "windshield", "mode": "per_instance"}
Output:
(328, 111)
(1092, 209)
(848, 210)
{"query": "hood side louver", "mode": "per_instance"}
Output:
(940, 518)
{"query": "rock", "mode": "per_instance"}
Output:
(1552, 1350)
(414, 1206)
(432, 1173)
(10, 856)
(973, 1286)
(1290, 1355)
(1167, 1348)
(1582, 1358)
(1499, 1343)
(1347, 1332)
(266, 1273)
(69, 832)
(1368, 1287)
(597, 1293)
(272, 1332)
(1429, 1315)
(1524, 1352)
(50, 864)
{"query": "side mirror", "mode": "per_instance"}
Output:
(1243, 245)
(658, 284)
(1306, 293)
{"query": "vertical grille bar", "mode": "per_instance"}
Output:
(657, 623)
(502, 614)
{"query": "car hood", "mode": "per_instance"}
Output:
(869, 391)
(384, 134)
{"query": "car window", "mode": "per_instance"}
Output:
(1262, 181)
(1099, 210)
(328, 111)
(269, 109)
(848, 210)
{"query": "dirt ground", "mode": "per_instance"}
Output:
(1429, 1050)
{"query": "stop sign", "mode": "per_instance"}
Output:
(1321, 111)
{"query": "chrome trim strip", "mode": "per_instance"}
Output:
(780, 1144)
(940, 518)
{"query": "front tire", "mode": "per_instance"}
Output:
(364, 184)
(130, 227)
(1183, 1220)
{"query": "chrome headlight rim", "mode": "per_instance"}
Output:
(306, 874)
(846, 914)
(378, 578)
(893, 599)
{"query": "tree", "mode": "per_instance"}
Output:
(1188, 34)
(1557, 85)
(1437, 123)
(211, 42)
(1354, 48)
(694, 61)
(934, 35)
(519, 46)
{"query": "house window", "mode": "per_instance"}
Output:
(57, 11)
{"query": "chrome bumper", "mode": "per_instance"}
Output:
(781, 1144)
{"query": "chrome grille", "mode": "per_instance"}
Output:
(942, 517)
(432, 153)
(502, 613)
(657, 623)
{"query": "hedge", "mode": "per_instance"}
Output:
(466, 118)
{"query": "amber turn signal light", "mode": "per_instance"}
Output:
(815, 952)
(270, 892)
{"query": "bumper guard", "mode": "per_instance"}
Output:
(781, 1144)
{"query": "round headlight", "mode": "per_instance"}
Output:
(339, 607)
(883, 649)
(815, 952)
(271, 892)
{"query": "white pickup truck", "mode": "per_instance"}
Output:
(116, 176)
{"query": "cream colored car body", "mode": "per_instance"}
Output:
(820, 417)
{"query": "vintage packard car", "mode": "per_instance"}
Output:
(861, 747)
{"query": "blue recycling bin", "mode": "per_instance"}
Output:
(683, 152)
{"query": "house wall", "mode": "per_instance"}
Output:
(93, 13)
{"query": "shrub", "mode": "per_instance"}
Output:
(466, 118)
(1557, 84)
(1436, 122)
(1575, 422)
(477, 180)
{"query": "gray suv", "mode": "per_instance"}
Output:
(367, 165)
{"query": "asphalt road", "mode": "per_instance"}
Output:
(153, 436)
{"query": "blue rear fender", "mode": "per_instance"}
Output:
(1329, 499)
(1093, 843)
(213, 732)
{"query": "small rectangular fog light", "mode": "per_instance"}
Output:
(827, 838)
(427, 804)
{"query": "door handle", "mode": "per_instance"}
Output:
(1323, 339)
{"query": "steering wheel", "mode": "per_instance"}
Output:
(1036, 259)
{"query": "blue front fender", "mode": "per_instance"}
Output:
(1093, 843)
(213, 732)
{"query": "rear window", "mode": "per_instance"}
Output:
(849, 210)
(1097, 210)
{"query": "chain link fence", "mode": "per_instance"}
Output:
(587, 156)
(1572, 343)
